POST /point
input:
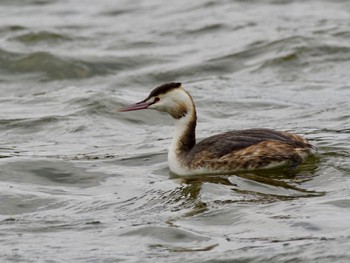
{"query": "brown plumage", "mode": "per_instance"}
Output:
(223, 153)
(247, 150)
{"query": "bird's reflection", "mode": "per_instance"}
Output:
(259, 186)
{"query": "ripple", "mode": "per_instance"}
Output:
(173, 239)
(24, 203)
(71, 168)
(116, 12)
(207, 29)
(45, 172)
(25, 125)
(266, 186)
(96, 104)
(39, 37)
(168, 234)
(297, 52)
(54, 67)
(27, 3)
(12, 28)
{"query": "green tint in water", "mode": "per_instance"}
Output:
(35, 38)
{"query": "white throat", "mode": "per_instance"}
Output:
(176, 154)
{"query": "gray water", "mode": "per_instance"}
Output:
(80, 182)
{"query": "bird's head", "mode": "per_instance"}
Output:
(169, 97)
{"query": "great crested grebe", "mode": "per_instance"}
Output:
(233, 151)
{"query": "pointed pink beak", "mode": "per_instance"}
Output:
(137, 106)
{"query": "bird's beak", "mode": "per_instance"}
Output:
(137, 106)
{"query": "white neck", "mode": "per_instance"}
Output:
(182, 142)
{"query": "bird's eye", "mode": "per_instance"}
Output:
(156, 99)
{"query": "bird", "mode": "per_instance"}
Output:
(225, 153)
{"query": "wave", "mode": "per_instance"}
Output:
(291, 53)
(42, 36)
(54, 67)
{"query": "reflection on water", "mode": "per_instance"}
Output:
(259, 187)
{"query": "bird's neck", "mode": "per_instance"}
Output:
(184, 138)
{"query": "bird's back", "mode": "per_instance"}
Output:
(249, 149)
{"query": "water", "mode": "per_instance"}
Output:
(80, 182)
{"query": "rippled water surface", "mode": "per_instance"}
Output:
(80, 182)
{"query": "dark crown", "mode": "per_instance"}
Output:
(164, 89)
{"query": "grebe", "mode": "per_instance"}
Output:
(229, 152)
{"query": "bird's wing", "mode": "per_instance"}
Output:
(222, 144)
